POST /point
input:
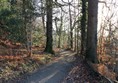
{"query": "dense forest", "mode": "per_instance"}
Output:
(80, 35)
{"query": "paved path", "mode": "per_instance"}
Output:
(54, 72)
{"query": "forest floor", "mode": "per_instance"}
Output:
(82, 73)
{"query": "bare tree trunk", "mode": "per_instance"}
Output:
(60, 30)
(43, 15)
(75, 46)
(57, 31)
(83, 28)
(91, 52)
(71, 28)
(59, 42)
(49, 46)
(78, 40)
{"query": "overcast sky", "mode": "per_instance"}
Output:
(110, 9)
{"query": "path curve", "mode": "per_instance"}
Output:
(54, 72)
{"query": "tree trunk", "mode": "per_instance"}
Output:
(77, 40)
(71, 29)
(60, 31)
(75, 46)
(59, 42)
(43, 15)
(83, 27)
(91, 51)
(27, 28)
(49, 46)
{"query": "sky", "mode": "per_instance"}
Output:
(109, 10)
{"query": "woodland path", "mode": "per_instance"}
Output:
(54, 72)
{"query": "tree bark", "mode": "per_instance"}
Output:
(43, 15)
(83, 28)
(91, 51)
(49, 41)
(71, 28)
(60, 31)
(28, 29)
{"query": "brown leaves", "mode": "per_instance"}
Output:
(11, 57)
(104, 71)
(83, 74)
(106, 59)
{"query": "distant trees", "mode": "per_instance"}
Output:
(59, 28)
(18, 19)
(107, 35)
